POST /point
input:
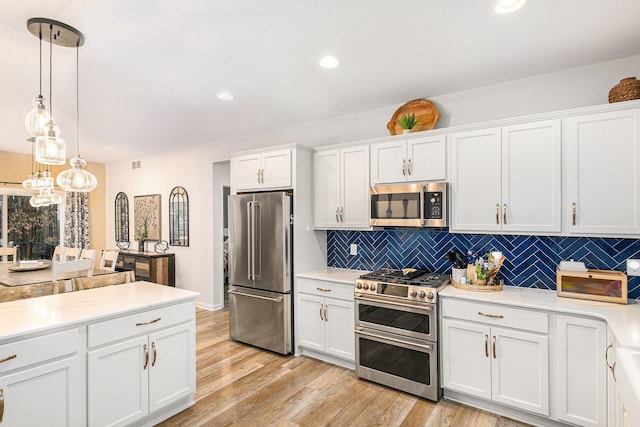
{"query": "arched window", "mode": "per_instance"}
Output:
(122, 218)
(179, 217)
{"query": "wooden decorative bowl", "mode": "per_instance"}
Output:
(495, 287)
(425, 112)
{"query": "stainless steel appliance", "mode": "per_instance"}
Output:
(409, 205)
(397, 329)
(260, 270)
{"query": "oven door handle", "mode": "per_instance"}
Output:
(368, 334)
(387, 302)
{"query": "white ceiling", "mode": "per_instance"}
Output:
(150, 69)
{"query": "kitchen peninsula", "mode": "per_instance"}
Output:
(112, 355)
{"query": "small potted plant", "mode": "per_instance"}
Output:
(407, 122)
(141, 236)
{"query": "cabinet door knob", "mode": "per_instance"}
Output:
(155, 353)
(146, 357)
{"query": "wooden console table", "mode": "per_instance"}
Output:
(149, 266)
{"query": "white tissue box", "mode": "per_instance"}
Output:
(29, 263)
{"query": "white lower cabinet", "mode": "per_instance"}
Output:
(147, 363)
(325, 319)
(497, 353)
(581, 370)
(37, 386)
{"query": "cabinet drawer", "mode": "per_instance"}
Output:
(326, 289)
(140, 323)
(492, 314)
(37, 350)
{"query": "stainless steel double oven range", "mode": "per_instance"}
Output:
(397, 329)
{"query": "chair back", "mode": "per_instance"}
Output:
(58, 254)
(72, 267)
(109, 260)
(12, 252)
(89, 254)
(72, 254)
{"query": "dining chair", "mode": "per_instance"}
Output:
(72, 254)
(58, 254)
(12, 293)
(109, 260)
(89, 254)
(12, 252)
(74, 266)
(83, 283)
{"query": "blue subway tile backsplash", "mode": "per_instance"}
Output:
(530, 260)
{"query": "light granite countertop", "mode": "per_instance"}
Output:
(331, 274)
(36, 315)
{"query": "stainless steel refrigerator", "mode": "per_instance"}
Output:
(260, 270)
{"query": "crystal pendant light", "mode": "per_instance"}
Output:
(77, 179)
(50, 148)
(38, 116)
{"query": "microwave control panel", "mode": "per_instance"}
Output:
(434, 209)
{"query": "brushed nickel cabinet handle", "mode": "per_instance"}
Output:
(573, 212)
(155, 353)
(262, 176)
(613, 372)
(324, 289)
(409, 167)
(146, 357)
(149, 322)
(1, 404)
(404, 172)
(494, 347)
(606, 355)
(258, 176)
(326, 316)
(321, 306)
(341, 214)
(337, 218)
(497, 213)
(486, 345)
(494, 316)
(6, 359)
(504, 213)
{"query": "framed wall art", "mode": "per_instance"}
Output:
(147, 217)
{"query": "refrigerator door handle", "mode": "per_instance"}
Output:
(249, 240)
(279, 299)
(256, 260)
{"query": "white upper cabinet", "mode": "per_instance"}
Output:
(417, 159)
(262, 171)
(341, 188)
(602, 157)
(507, 179)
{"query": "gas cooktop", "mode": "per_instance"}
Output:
(407, 277)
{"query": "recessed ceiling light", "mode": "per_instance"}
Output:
(329, 62)
(225, 96)
(508, 6)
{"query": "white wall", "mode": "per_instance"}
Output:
(192, 167)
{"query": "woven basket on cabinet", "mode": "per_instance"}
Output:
(627, 90)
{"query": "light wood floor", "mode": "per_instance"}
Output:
(239, 385)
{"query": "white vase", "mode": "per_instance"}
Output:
(406, 131)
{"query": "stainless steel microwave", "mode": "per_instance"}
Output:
(409, 205)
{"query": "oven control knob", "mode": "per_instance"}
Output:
(422, 294)
(430, 295)
(358, 285)
(413, 293)
(366, 287)
(373, 287)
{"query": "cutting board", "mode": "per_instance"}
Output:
(426, 113)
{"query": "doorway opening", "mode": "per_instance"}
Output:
(226, 190)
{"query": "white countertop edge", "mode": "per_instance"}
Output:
(34, 316)
(333, 274)
(623, 320)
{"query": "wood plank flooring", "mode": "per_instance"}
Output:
(239, 385)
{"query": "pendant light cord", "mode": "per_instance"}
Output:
(40, 37)
(78, 99)
(51, 68)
